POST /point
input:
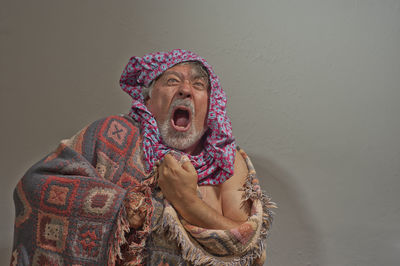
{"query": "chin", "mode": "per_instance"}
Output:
(179, 140)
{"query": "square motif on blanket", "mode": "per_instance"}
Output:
(88, 240)
(51, 232)
(99, 202)
(42, 257)
(116, 134)
(58, 195)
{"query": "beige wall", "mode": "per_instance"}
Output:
(314, 96)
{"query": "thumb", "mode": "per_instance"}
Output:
(186, 164)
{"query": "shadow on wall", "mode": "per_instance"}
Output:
(294, 238)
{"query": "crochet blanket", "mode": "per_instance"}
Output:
(71, 209)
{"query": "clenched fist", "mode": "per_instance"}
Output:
(177, 180)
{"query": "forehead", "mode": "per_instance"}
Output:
(192, 69)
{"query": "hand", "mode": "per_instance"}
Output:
(177, 182)
(179, 186)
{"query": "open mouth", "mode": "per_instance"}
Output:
(181, 118)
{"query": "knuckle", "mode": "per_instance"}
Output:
(164, 171)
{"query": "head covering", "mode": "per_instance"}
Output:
(215, 163)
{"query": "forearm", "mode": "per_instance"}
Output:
(197, 212)
(179, 186)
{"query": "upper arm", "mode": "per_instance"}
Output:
(233, 204)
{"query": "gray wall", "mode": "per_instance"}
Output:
(314, 96)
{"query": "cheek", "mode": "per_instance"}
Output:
(158, 105)
(203, 111)
(154, 108)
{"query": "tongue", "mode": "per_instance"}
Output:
(181, 121)
(181, 118)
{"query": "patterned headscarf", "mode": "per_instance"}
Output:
(215, 163)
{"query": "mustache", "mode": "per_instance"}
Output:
(181, 102)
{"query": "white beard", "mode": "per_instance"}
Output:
(177, 139)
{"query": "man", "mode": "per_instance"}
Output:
(162, 186)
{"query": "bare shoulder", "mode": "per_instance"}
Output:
(233, 204)
(239, 175)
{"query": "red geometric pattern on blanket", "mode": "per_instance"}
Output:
(126, 181)
(88, 240)
(117, 134)
(98, 202)
(135, 160)
(26, 211)
(58, 194)
(44, 258)
(51, 232)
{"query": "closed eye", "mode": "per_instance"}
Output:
(199, 85)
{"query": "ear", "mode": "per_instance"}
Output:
(148, 102)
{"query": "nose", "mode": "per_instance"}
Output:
(185, 90)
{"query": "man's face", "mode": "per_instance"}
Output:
(179, 103)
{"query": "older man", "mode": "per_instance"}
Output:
(165, 185)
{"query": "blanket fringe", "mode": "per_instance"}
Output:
(198, 255)
(122, 228)
(253, 192)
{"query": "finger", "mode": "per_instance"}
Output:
(170, 161)
(160, 175)
(187, 164)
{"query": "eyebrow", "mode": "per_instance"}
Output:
(199, 76)
(193, 77)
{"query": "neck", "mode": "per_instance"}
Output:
(195, 149)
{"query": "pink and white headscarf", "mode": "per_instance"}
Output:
(214, 164)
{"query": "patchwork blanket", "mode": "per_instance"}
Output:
(71, 209)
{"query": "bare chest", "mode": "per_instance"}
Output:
(211, 195)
